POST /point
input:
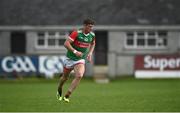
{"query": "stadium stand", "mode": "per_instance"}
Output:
(105, 12)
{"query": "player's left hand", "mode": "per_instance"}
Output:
(89, 58)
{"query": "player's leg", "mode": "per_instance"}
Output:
(63, 79)
(79, 70)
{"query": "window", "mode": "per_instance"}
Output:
(54, 40)
(146, 39)
(41, 40)
(130, 40)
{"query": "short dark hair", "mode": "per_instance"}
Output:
(88, 21)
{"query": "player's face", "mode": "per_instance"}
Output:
(88, 28)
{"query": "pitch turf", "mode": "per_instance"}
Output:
(125, 94)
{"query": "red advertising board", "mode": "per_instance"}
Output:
(157, 66)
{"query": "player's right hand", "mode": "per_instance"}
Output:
(79, 54)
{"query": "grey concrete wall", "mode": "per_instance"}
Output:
(5, 43)
(119, 63)
(112, 65)
(173, 41)
(116, 41)
(125, 65)
(30, 44)
(116, 45)
(89, 70)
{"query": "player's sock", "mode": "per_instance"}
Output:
(68, 94)
(60, 91)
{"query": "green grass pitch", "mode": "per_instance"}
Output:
(124, 94)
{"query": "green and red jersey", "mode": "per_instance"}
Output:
(81, 42)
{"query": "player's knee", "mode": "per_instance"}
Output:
(79, 75)
(64, 78)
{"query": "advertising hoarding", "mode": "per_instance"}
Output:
(157, 66)
(44, 64)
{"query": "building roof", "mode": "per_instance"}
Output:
(104, 12)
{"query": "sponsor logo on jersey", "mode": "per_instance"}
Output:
(81, 44)
(86, 39)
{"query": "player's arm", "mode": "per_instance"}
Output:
(91, 49)
(69, 41)
(67, 44)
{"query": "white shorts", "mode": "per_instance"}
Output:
(69, 64)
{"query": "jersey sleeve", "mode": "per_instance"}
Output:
(93, 41)
(73, 35)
